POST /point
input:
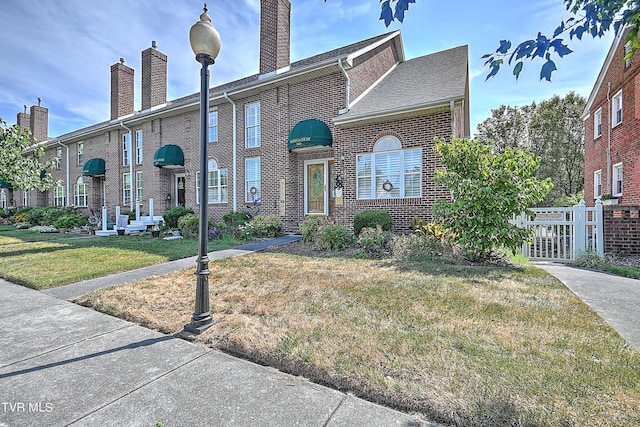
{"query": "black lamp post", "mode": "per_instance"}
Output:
(205, 42)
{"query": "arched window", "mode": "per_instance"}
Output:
(217, 184)
(80, 192)
(389, 172)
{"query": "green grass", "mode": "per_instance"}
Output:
(624, 271)
(44, 260)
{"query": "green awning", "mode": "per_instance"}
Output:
(5, 184)
(169, 156)
(309, 133)
(43, 173)
(94, 167)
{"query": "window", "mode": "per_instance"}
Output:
(126, 189)
(627, 51)
(252, 179)
(80, 190)
(139, 147)
(597, 123)
(138, 185)
(217, 184)
(597, 184)
(80, 152)
(59, 198)
(25, 198)
(389, 172)
(126, 149)
(59, 158)
(3, 198)
(617, 180)
(617, 109)
(213, 126)
(252, 125)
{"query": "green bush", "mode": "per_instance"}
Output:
(374, 240)
(71, 221)
(371, 219)
(173, 214)
(309, 228)
(234, 219)
(334, 237)
(35, 216)
(267, 226)
(51, 215)
(189, 225)
(417, 246)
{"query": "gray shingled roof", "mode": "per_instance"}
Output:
(419, 82)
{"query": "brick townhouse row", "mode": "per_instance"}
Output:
(344, 131)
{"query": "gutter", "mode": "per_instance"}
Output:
(396, 111)
(235, 154)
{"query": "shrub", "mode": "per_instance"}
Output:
(130, 214)
(374, 240)
(214, 233)
(334, 237)
(189, 225)
(173, 214)
(309, 228)
(234, 219)
(71, 221)
(591, 259)
(51, 215)
(267, 226)
(416, 246)
(429, 229)
(372, 219)
(35, 216)
(21, 217)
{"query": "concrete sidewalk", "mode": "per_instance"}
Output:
(63, 364)
(616, 299)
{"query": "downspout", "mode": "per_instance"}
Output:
(68, 172)
(131, 170)
(235, 154)
(609, 125)
(347, 89)
(452, 106)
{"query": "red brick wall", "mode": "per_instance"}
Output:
(622, 230)
(154, 78)
(122, 95)
(370, 67)
(274, 35)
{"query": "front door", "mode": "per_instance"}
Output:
(180, 189)
(315, 189)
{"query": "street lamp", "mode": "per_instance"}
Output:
(205, 42)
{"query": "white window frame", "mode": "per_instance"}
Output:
(59, 158)
(138, 185)
(597, 123)
(3, 198)
(126, 149)
(213, 126)
(618, 180)
(80, 193)
(385, 148)
(252, 125)
(80, 152)
(126, 189)
(597, 184)
(59, 196)
(217, 184)
(616, 109)
(253, 180)
(139, 141)
(25, 198)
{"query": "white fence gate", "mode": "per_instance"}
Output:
(560, 234)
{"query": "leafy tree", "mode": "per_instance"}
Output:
(20, 159)
(487, 189)
(553, 130)
(591, 17)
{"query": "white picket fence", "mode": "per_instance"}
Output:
(560, 234)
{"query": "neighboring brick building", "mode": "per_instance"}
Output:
(612, 129)
(334, 134)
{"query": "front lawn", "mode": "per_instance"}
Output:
(461, 345)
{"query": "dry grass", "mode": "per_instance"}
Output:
(462, 345)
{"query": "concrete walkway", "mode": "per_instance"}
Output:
(616, 299)
(62, 364)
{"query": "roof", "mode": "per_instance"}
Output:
(420, 83)
(302, 66)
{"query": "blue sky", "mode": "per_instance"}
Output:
(61, 51)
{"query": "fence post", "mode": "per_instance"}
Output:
(579, 228)
(599, 228)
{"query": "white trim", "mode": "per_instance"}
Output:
(324, 162)
(596, 194)
(617, 176)
(618, 95)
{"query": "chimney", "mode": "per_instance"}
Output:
(39, 122)
(275, 19)
(154, 77)
(121, 90)
(23, 119)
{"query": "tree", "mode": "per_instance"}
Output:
(20, 159)
(553, 130)
(592, 17)
(487, 190)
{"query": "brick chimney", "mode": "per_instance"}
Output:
(154, 77)
(23, 119)
(121, 90)
(275, 30)
(39, 122)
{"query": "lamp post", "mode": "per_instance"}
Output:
(205, 42)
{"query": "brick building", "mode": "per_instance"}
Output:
(612, 129)
(344, 131)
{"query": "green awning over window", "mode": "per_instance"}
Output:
(94, 167)
(169, 156)
(5, 184)
(309, 133)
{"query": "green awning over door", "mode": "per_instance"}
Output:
(169, 156)
(310, 133)
(94, 167)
